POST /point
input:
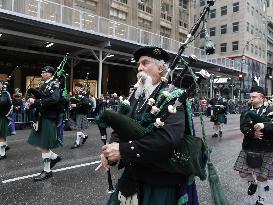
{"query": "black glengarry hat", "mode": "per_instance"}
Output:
(153, 52)
(257, 89)
(48, 69)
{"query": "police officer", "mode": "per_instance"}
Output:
(256, 156)
(44, 134)
(218, 117)
(80, 105)
(5, 110)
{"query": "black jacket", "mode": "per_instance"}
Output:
(48, 105)
(5, 103)
(146, 160)
(83, 104)
(249, 142)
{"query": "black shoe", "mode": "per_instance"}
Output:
(215, 135)
(3, 157)
(259, 203)
(44, 175)
(75, 146)
(252, 188)
(7, 148)
(220, 134)
(54, 161)
(84, 139)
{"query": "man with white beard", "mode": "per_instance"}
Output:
(148, 178)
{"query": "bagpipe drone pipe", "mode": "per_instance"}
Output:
(59, 77)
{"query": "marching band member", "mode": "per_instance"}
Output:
(79, 109)
(44, 133)
(256, 156)
(147, 179)
(218, 117)
(5, 110)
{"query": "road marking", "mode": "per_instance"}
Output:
(56, 170)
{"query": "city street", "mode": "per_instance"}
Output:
(75, 181)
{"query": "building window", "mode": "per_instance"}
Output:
(182, 37)
(118, 14)
(247, 26)
(251, 48)
(223, 10)
(248, 7)
(235, 26)
(223, 47)
(235, 45)
(252, 29)
(212, 31)
(247, 47)
(213, 13)
(183, 4)
(224, 29)
(256, 50)
(202, 3)
(236, 7)
(122, 1)
(165, 31)
(166, 11)
(144, 23)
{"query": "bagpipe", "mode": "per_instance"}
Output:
(59, 80)
(217, 109)
(251, 117)
(190, 158)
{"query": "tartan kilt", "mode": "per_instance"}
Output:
(80, 123)
(4, 127)
(266, 170)
(46, 137)
(222, 118)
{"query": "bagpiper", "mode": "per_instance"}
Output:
(5, 120)
(44, 132)
(254, 162)
(219, 113)
(80, 106)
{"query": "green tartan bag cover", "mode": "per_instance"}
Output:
(191, 157)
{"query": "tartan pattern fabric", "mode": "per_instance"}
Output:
(4, 127)
(266, 170)
(81, 122)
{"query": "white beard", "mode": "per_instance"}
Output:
(146, 86)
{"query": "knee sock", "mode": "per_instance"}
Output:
(263, 190)
(215, 127)
(249, 179)
(2, 148)
(46, 160)
(78, 138)
(53, 155)
(84, 135)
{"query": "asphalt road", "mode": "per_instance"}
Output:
(74, 180)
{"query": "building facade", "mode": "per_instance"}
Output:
(239, 31)
(100, 37)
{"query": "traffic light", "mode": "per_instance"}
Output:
(241, 77)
